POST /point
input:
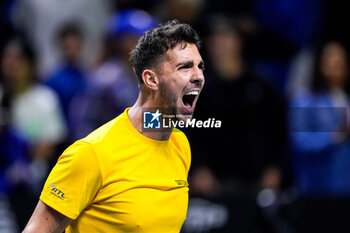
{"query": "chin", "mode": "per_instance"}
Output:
(185, 119)
(184, 114)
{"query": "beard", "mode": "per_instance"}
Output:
(168, 100)
(168, 104)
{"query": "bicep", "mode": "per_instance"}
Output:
(46, 220)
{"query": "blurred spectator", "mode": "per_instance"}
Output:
(6, 29)
(186, 11)
(319, 118)
(34, 108)
(112, 85)
(14, 153)
(245, 155)
(231, 165)
(128, 4)
(283, 34)
(68, 80)
(296, 30)
(243, 14)
(300, 71)
(14, 166)
(326, 134)
(39, 20)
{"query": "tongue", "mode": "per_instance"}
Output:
(188, 100)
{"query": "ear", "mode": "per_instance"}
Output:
(150, 79)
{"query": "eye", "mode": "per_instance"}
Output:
(201, 66)
(187, 65)
(184, 67)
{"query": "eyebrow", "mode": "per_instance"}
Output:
(186, 63)
(189, 63)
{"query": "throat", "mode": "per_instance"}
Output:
(188, 100)
(135, 115)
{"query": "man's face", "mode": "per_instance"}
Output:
(72, 46)
(180, 80)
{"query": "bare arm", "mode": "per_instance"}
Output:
(46, 220)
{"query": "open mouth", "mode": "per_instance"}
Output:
(189, 99)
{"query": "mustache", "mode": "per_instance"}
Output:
(197, 86)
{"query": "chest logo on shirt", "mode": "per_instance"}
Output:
(56, 192)
(181, 182)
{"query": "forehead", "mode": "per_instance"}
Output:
(183, 52)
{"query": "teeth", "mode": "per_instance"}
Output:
(192, 93)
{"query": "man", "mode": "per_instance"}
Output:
(68, 78)
(122, 178)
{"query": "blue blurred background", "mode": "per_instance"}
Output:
(277, 76)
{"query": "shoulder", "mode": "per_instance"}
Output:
(40, 96)
(40, 90)
(74, 181)
(44, 94)
(80, 153)
(79, 160)
(98, 134)
(180, 140)
(178, 134)
(109, 133)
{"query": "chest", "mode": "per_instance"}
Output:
(144, 191)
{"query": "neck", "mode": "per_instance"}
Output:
(135, 115)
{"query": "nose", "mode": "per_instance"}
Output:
(197, 76)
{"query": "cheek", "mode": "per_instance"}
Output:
(168, 93)
(182, 80)
(178, 82)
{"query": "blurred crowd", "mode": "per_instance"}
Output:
(277, 76)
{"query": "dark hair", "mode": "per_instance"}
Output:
(68, 29)
(156, 42)
(25, 50)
